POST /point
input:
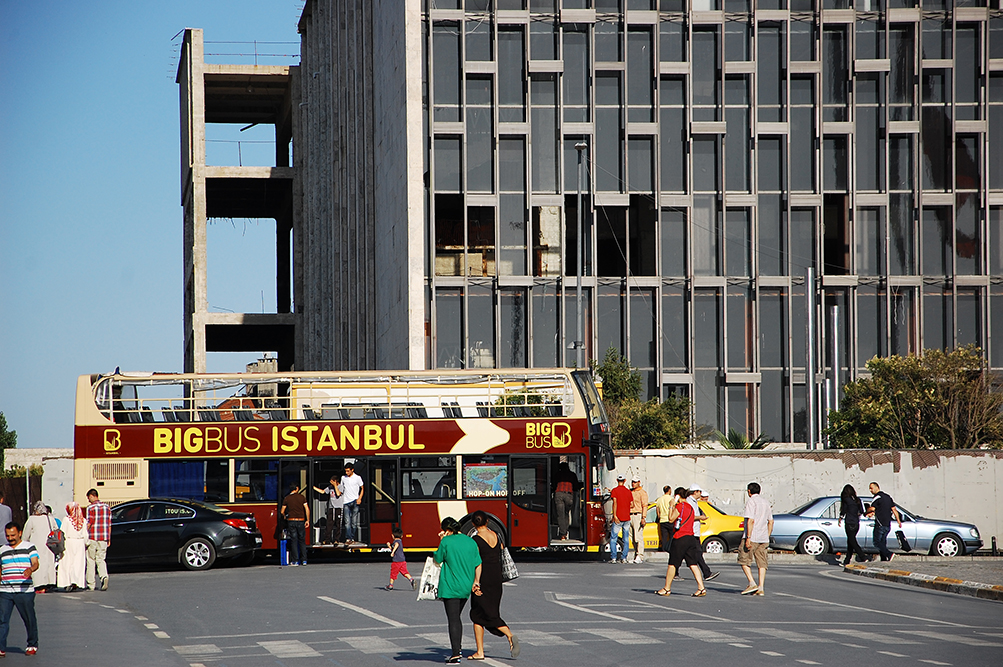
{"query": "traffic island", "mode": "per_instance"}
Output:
(972, 588)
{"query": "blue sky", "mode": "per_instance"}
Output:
(90, 213)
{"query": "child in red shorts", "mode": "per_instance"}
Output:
(398, 566)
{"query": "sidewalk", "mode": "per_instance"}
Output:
(978, 576)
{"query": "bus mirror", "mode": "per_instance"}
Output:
(610, 459)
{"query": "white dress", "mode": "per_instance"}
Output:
(36, 531)
(73, 564)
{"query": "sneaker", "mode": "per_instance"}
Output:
(3, 654)
(293, 564)
(638, 560)
(750, 589)
(760, 592)
(711, 576)
(622, 561)
(103, 586)
(388, 588)
(414, 585)
(31, 650)
(890, 557)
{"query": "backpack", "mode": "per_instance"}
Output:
(56, 541)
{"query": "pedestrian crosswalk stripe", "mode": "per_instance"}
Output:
(622, 636)
(943, 636)
(290, 648)
(701, 634)
(934, 662)
(788, 635)
(198, 649)
(737, 645)
(894, 655)
(370, 644)
(537, 638)
(870, 636)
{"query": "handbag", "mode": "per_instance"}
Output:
(428, 586)
(903, 542)
(56, 541)
(509, 571)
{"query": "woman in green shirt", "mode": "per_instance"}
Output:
(461, 574)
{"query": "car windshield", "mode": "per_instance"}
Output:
(800, 510)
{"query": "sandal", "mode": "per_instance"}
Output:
(475, 657)
(453, 659)
(663, 592)
(700, 593)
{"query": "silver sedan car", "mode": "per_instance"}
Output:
(812, 529)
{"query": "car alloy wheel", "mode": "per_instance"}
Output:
(947, 546)
(813, 544)
(198, 554)
(715, 545)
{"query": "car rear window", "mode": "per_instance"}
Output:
(801, 510)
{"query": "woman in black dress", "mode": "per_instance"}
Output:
(486, 600)
(850, 509)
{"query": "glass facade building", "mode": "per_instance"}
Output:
(731, 146)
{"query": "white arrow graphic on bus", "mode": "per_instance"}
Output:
(480, 436)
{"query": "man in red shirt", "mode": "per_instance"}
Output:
(685, 545)
(98, 538)
(621, 497)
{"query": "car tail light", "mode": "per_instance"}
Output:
(741, 524)
(236, 523)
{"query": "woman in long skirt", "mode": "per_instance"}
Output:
(36, 530)
(73, 564)
(484, 607)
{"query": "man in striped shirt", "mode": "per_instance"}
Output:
(18, 560)
(98, 538)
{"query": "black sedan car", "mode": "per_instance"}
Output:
(192, 533)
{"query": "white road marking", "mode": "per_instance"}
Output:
(870, 636)
(437, 638)
(736, 645)
(537, 638)
(142, 618)
(371, 644)
(873, 611)
(553, 597)
(622, 636)
(809, 662)
(365, 612)
(894, 655)
(772, 654)
(934, 662)
(198, 649)
(108, 606)
(151, 626)
(160, 634)
(291, 648)
(196, 664)
(710, 636)
(789, 635)
(944, 637)
(123, 611)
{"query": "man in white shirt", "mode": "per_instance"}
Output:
(758, 526)
(351, 493)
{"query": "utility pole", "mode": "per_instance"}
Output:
(579, 343)
(809, 376)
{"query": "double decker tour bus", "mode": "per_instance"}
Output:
(428, 444)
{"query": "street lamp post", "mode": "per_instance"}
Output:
(581, 147)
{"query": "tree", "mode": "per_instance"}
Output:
(8, 439)
(635, 424)
(738, 440)
(942, 400)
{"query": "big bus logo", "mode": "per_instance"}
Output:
(112, 440)
(548, 435)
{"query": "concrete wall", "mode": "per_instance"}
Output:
(957, 485)
(57, 479)
(362, 263)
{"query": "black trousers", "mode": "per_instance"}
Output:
(454, 607)
(296, 530)
(665, 532)
(332, 529)
(852, 546)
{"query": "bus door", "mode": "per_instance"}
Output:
(577, 523)
(382, 499)
(323, 470)
(295, 472)
(530, 520)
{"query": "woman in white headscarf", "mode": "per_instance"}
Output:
(36, 530)
(72, 565)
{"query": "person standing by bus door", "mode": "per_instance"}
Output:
(351, 493)
(98, 539)
(638, 507)
(296, 510)
(335, 505)
(621, 497)
(564, 498)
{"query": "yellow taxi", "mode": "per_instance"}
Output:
(719, 534)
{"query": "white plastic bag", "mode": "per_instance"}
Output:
(428, 587)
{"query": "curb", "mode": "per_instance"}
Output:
(972, 588)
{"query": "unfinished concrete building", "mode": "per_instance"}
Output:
(246, 94)
(731, 146)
